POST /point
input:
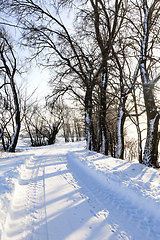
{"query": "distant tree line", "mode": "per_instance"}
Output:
(42, 124)
(106, 59)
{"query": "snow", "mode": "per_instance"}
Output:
(103, 142)
(65, 192)
(104, 79)
(150, 139)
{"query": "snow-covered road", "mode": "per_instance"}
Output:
(64, 192)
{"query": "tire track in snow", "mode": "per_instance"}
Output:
(38, 200)
(34, 190)
(87, 191)
(70, 217)
(122, 214)
(45, 209)
(98, 213)
(27, 209)
(18, 217)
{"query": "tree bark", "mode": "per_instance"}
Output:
(151, 146)
(90, 136)
(15, 136)
(52, 136)
(120, 128)
(137, 124)
(102, 120)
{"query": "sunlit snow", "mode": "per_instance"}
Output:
(65, 192)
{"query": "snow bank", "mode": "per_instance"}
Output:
(133, 182)
(10, 168)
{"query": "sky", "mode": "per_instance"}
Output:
(36, 77)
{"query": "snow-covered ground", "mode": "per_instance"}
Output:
(64, 192)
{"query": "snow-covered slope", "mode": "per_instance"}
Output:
(66, 192)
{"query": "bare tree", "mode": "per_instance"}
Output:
(149, 41)
(102, 55)
(108, 19)
(41, 125)
(48, 35)
(8, 65)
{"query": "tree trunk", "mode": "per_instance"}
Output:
(137, 124)
(120, 130)
(15, 136)
(90, 136)
(102, 121)
(151, 146)
(138, 131)
(3, 144)
(139, 144)
(52, 136)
